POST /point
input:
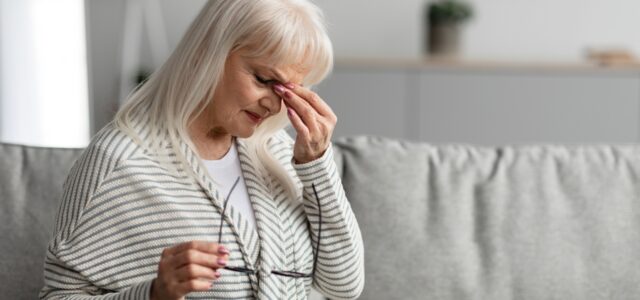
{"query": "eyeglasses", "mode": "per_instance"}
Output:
(293, 274)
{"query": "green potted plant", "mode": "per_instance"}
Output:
(444, 19)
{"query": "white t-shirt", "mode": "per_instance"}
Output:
(225, 171)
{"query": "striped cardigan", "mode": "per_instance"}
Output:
(121, 207)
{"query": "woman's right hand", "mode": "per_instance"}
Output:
(188, 267)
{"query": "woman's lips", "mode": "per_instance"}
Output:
(253, 117)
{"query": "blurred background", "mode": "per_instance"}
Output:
(480, 71)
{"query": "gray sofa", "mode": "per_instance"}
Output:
(438, 222)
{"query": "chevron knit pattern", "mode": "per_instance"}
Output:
(121, 207)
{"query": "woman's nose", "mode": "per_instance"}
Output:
(272, 102)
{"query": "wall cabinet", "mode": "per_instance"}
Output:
(490, 105)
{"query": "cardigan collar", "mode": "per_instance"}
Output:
(245, 235)
(260, 245)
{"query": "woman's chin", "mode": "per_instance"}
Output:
(246, 133)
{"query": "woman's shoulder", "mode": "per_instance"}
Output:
(280, 143)
(114, 142)
(107, 149)
(281, 138)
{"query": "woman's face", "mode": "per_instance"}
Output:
(244, 98)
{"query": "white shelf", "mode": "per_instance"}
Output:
(485, 65)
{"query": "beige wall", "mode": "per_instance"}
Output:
(504, 29)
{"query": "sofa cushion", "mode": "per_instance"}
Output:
(30, 189)
(526, 222)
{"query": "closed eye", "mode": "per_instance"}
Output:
(264, 81)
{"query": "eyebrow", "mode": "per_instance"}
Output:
(278, 75)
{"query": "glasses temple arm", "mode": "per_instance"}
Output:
(224, 209)
(315, 260)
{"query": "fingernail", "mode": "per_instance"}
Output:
(221, 262)
(278, 88)
(217, 274)
(223, 250)
(287, 94)
(289, 111)
(290, 85)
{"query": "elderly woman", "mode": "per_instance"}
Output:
(196, 191)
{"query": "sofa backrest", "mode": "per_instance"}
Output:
(438, 222)
(30, 188)
(466, 222)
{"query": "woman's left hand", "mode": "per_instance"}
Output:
(312, 119)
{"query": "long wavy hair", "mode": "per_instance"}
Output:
(285, 32)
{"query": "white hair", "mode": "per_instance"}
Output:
(286, 32)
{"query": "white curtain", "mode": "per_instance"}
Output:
(43, 73)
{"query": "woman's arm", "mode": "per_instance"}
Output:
(63, 282)
(340, 269)
(95, 255)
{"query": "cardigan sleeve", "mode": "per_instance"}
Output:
(64, 280)
(340, 269)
